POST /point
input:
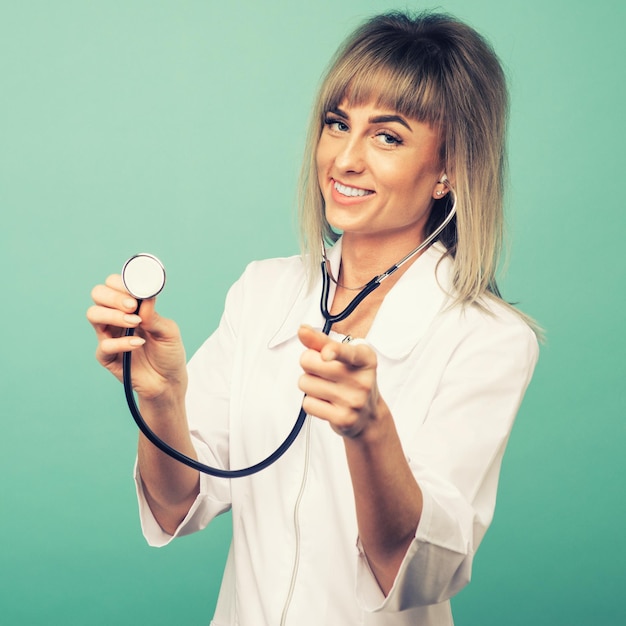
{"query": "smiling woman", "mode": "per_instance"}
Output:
(441, 73)
(374, 515)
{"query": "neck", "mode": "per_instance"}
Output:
(363, 258)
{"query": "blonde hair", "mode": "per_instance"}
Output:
(437, 70)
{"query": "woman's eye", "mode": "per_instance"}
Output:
(388, 140)
(336, 125)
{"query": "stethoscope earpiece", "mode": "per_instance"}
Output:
(143, 276)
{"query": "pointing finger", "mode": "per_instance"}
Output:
(356, 353)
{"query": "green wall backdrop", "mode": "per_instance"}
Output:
(176, 127)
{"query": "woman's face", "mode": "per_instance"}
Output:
(378, 172)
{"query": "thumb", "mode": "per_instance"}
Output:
(151, 322)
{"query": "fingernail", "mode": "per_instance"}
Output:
(129, 303)
(137, 341)
(132, 319)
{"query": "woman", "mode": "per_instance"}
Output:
(374, 515)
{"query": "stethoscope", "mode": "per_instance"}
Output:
(144, 277)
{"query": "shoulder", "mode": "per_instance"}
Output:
(266, 291)
(489, 318)
(496, 315)
(277, 279)
(276, 270)
(275, 274)
(493, 329)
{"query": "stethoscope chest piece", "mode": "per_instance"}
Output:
(143, 276)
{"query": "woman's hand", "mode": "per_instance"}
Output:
(339, 381)
(158, 352)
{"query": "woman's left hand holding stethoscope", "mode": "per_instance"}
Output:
(339, 381)
(159, 356)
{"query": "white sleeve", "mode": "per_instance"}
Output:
(208, 405)
(455, 457)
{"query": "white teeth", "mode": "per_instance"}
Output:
(351, 191)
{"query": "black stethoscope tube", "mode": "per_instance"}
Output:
(295, 431)
(186, 460)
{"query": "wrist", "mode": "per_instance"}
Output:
(169, 401)
(375, 428)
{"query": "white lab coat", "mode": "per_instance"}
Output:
(453, 379)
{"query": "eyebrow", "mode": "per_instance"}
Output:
(377, 119)
(384, 119)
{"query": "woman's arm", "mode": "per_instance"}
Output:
(473, 370)
(387, 497)
(160, 380)
(169, 486)
(340, 383)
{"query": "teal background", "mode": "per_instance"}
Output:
(176, 127)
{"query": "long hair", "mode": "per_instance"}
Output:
(435, 69)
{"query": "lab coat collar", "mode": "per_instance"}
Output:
(405, 314)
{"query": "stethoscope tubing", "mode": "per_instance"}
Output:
(297, 427)
(295, 431)
(189, 461)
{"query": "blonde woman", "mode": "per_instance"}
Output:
(374, 515)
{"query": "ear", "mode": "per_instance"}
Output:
(441, 188)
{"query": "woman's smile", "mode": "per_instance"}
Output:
(348, 194)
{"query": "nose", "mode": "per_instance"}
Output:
(350, 157)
